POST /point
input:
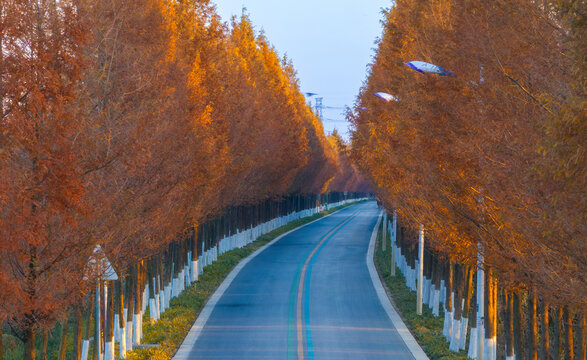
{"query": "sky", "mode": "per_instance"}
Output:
(329, 42)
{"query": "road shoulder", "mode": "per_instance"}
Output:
(385, 301)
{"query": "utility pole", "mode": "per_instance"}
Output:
(392, 241)
(480, 304)
(420, 271)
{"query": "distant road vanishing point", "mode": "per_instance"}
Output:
(310, 294)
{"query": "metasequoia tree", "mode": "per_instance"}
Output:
(494, 156)
(149, 151)
(43, 198)
(126, 124)
(349, 177)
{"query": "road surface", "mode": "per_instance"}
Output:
(307, 296)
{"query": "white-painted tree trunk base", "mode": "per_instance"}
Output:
(175, 287)
(140, 327)
(116, 328)
(472, 353)
(442, 291)
(425, 291)
(129, 335)
(490, 349)
(153, 309)
(452, 298)
(431, 291)
(109, 350)
(510, 357)
(122, 342)
(480, 339)
(195, 270)
(180, 282)
(436, 304)
(447, 328)
(136, 338)
(486, 349)
(161, 301)
(158, 303)
(145, 298)
(85, 349)
(464, 326)
(188, 275)
(163, 298)
(455, 339)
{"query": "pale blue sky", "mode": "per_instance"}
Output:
(330, 43)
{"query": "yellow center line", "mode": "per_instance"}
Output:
(299, 323)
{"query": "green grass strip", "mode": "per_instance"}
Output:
(174, 324)
(426, 328)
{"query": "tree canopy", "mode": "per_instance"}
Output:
(494, 155)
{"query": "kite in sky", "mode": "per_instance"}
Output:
(427, 68)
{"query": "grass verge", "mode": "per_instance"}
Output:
(426, 328)
(177, 320)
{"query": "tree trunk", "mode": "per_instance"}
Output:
(428, 287)
(448, 304)
(532, 327)
(495, 312)
(151, 279)
(582, 337)
(509, 306)
(437, 271)
(63, 340)
(459, 287)
(77, 340)
(44, 345)
(86, 343)
(137, 308)
(393, 242)
(558, 335)
(473, 346)
(420, 272)
(29, 344)
(467, 305)
(195, 273)
(490, 345)
(109, 330)
(384, 237)
(100, 317)
(570, 343)
(518, 351)
(121, 318)
(157, 276)
(545, 332)
(161, 278)
(130, 308)
(1, 324)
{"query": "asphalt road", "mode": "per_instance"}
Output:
(307, 296)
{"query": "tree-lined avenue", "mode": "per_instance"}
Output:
(313, 284)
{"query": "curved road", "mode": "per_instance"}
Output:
(309, 295)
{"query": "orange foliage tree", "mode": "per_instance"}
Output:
(126, 123)
(495, 155)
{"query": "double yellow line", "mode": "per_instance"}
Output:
(302, 280)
